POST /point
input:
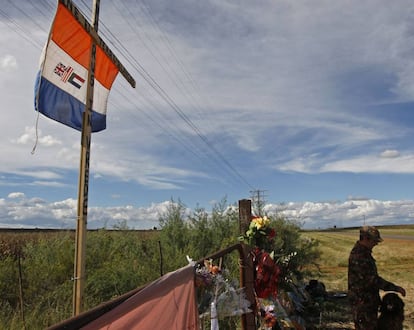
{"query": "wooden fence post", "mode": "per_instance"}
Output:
(245, 214)
(247, 270)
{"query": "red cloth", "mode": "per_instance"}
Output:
(167, 303)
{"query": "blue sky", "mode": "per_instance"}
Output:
(308, 102)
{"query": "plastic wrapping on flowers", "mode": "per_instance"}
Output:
(215, 289)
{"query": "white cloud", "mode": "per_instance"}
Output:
(42, 174)
(8, 63)
(390, 153)
(55, 184)
(29, 137)
(372, 164)
(19, 212)
(346, 214)
(16, 195)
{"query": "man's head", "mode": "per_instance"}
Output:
(370, 233)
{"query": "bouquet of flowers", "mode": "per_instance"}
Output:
(261, 236)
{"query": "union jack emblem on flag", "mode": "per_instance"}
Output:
(60, 69)
(66, 74)
(63, 71)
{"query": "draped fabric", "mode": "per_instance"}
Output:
(167, 303)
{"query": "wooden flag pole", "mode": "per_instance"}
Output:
(81, 226)
(82, 213)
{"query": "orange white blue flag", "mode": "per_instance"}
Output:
(61, 84)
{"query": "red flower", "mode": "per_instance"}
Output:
(267, 274)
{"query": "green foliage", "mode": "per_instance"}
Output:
(174, 237)
(210, 233)
(118, 262)
(121, 260)
(201, 234)
(8, 283)
(293, 252)
(196, 235)
(41, 267)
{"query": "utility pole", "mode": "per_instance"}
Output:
(258, 201)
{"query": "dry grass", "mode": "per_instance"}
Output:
(394, 256)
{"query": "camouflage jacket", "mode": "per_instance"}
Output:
(364, 282)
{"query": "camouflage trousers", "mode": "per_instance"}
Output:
(365, 319)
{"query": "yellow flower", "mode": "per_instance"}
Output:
(261, 222)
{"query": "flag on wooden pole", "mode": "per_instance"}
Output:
(77, 70)
(61, 85)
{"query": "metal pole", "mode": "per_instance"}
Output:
(81, 227)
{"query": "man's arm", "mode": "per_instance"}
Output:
(389, 286)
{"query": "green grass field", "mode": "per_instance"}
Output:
(394, 256)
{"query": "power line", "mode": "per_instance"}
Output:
(258, 201)
(166, 97)
(218, 157)
(21, 31)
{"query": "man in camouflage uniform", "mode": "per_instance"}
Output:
(364, 282)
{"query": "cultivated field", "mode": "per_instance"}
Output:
(394, 256)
